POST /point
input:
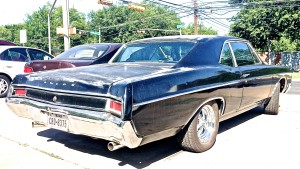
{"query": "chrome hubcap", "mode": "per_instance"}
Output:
(206, 123)
(3, 86)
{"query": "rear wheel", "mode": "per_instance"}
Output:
(272, 107)
(200, 135)
(4, 85)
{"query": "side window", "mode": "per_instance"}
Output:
(243, 54)
(84, 54)
(226, 56)
(17, 54)
(38, 55)
(4, 56)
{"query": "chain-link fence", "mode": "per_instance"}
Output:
(289, 59)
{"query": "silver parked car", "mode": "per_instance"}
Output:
(12, 61)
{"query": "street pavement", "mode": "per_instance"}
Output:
(295, 89)
(251, 140)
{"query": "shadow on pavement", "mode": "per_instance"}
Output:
(140, 157)
(242, 118)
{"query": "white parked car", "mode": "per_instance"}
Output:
(12, 61)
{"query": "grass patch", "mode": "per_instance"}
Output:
(296, 75)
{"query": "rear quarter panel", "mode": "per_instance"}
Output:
(170, 101)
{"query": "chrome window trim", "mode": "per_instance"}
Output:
(252, 51)
(255, 54)
(231, 52)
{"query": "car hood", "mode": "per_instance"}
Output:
(43, 65)
(94, 79)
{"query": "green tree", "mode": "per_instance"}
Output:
(121, 24)
(11, 32)
(202, 30)
(261, 21)
(37, 27)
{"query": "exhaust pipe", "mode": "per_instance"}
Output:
(36, 124)
(112, 146)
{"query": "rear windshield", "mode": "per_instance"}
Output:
(83, 53)
(167, 52)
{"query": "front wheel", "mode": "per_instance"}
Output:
(4, 85)
(201, 133)
(272, 107)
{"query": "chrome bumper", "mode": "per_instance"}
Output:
(101, 125)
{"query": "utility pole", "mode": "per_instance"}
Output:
(49, 30)
(195, 17)
(66, 22)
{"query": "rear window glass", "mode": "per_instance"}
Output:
(83, 53)
(166, 52)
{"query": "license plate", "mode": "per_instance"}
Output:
(58, 121)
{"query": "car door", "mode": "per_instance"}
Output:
(233, 93)
(254, 74)
(13, 61)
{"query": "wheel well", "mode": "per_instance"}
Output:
(283, 83)
(221, 106)
(6, 76)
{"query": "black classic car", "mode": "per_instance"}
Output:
(154, 88)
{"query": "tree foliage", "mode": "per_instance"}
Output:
(121, 24)
(261, 21)
(116, 23)
(11, 32)
(36, 25)
(202, 30)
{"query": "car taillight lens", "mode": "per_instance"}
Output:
(115, 106)
(20, 92)
(28, 69)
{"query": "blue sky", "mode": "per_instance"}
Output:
(14, 11)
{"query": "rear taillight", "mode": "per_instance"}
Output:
(115, 107)
(20, 92)
(28, 69)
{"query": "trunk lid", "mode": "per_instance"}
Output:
(93, 79)
(56, 64)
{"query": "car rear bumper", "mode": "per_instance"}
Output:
(101, 125)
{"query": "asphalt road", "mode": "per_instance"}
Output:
(251, 140)
(295, 89)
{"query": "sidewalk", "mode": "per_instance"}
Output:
(17, 156)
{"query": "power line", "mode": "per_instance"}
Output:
(217, 22)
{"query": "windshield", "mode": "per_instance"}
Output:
(167, 52)
(83, 52)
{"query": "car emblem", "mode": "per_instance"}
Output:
(44, 67)
(54, 99)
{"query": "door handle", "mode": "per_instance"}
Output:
(245, 75)
(8, 66)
